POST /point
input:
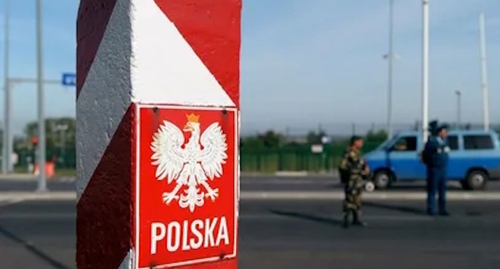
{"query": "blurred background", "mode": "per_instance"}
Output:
(312, 74)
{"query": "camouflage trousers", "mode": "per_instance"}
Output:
(352, 190)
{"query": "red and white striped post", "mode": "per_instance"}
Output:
(157, 133)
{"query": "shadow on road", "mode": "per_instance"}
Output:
(32, 249)
(400, 187)
(415, 210)
(306, 216)
(399, 208)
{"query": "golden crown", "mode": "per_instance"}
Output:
(193, 118)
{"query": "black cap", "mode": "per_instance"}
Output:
(355, 138)
(433, 127)
(441, 127)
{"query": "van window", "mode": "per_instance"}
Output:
(453, 142)
(472, 142)
(405, 143)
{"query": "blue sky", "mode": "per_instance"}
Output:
(306, 62)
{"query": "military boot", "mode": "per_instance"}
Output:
(357, 221)
(345, 224)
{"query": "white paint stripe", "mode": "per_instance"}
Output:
(269, 195)
(105, 96)
(128, 262)
(165, 67)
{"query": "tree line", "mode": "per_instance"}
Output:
(57, 136)
(274, 140)
(59, 132)
(62, 130)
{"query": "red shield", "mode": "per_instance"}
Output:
(187, 185)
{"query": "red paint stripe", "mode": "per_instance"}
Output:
(212, 28)
(105, 210)
(93, 18)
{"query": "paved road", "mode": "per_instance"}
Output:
(248, 183)
(290, 234)
(55, 184)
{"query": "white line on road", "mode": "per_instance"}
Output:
(287, 182)
(254, 217)
(332, 217)
(278, 195)
(10, 201)
(37, 196)
(34, 216)
(30, 178)
(338, 195)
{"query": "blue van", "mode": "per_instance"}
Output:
(474, 159)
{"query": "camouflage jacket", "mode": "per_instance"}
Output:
(352, 165)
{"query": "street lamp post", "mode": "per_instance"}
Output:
(484, 77)
(459, 108)
(7, 102)
(390, 57)
(62, 128)
(16, 80)
(390, 60)
(42, 183)
(425, 69)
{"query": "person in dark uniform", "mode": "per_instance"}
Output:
(353, 170)
(435, 156)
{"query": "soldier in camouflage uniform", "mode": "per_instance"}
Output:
(353, 170)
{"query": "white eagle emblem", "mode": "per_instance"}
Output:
(200, 159)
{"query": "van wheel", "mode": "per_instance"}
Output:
(475, 180)
(382, 179)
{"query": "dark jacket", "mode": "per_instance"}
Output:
(436, 152)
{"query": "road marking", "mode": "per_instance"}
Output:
(257, 217)
(291, 174)
(333, 218)
(338, 195)
(34, 179)
(285, 216)
(37, 196)
(43, 216)
(288, 182)
(10, 201)
(279, 195)
(66, 179)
